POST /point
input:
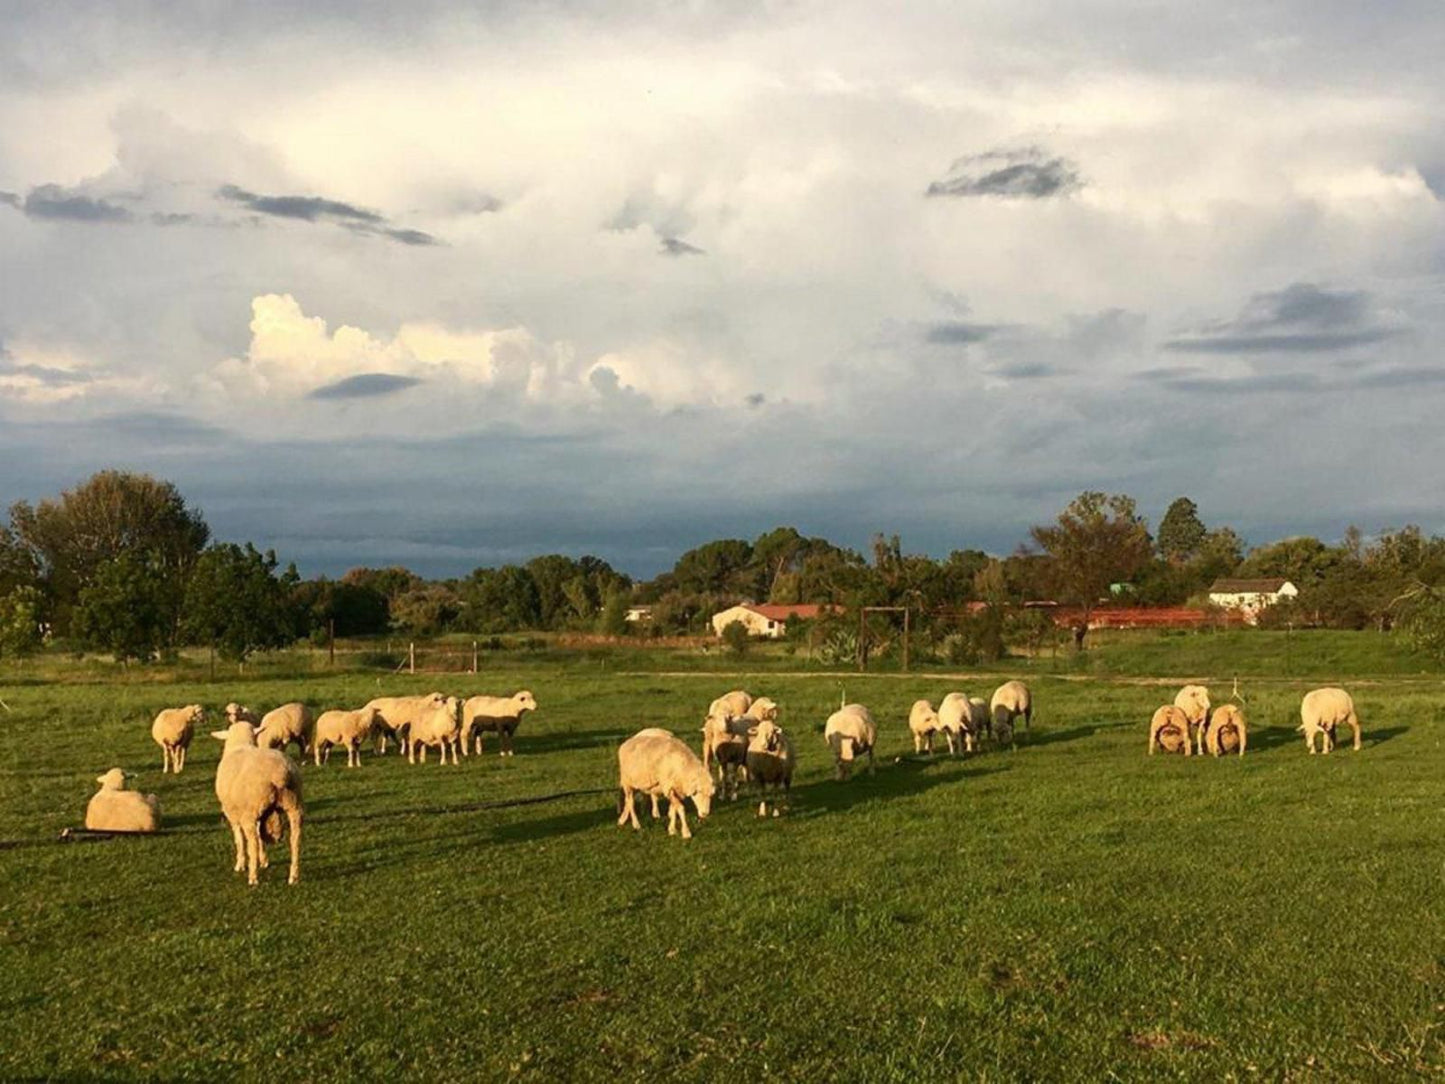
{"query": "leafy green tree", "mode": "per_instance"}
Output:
(1098, 540)
(735, 638)
(356, 609)
(1304, 561)
(500, 600)
(20, 610)
(426, 610)
(391, 582)
(125, 609)
(613, 619)
(236, 604)
(1181, 532)
(720, 567)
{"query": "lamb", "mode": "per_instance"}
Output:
(770, 763)
(725, 743)
(172, 730)
(656, 763)
(734, 703)
(440, 728)
(255, 787)
(115, 809)
(345, 728)
(237, 713)
(1010, 700)
(395, 715)
(1169, 729)
(499, 714)
(850, 732)
(957, 721)
(924, 722)
(1193, 701)
(289, 723)
(1227, 731)
(1321, 711)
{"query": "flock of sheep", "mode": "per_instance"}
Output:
(259, 785)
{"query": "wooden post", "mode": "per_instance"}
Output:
(331, 643)
(862, 638)
(474, 656)
(213, 660)
(905, 639)
(411, 657)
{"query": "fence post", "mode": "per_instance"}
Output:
(331, 643)
(411, 657)
(905, 639)
(474, 656)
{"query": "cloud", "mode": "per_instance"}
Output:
(675, 246)
(958, 332)
(55, 203)
(1028, 370)
(1301, 318)
(1028, 173)
(365, 386)
(319, 209)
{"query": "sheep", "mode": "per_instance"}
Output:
(172, 730)
(956, 720)
(1010, 700)
(1193, 701)
(345, 728)
(725, 743)
(238, 713)
(499, 714)
(115, 809)
(289, 723)
(850, 732)
(924, 722)
(441, 728)
(1321, 711)
(395, 714)
(1169, 730)
(255, 787)
(656, 763)
(733, 703)
(762, 708)
(1227, 731)
(770, 762)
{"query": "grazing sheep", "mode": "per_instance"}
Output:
(395, 714)
(1010, 700)
(345, 728)
(115, 809)
(770, 763)
(956, 720)
(1322, 711)
(923, 723)
(850, 732)
(725, 744)
(500, 715)
(440, 728)
(656, 763)
(1227, 731)
(734, 704)
(1193, 701)
(762, 708)
(289, 723)
(172, 731)
(239, 713)
(1169, 729)
(255, 787)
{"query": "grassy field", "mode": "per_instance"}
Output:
(1071, 910)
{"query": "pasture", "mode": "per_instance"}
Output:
(1071, 910)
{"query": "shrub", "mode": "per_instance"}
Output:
(735, 638)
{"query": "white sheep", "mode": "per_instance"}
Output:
(734, 703)
(1193, 701)
(395, 714)
(172, 730)
(347, 729)
(850, 732)
(762, 708)
(1321, 711)
(1169, 730)
(239, 713)
(725, 745)
(113, 808)
(770, 763)
(657, 763)
(956, 720)
(1227, 731)
(923, 723)
(438, 728)
(1010, 700)
(499, 715)
(255, 787)
(289, 723)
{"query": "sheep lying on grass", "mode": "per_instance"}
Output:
(1321, 711)
(172, 730)
(850, 732)
(1010, 700)
(1169, 730)
(957, 721)
(770, 763)
(115, 809)
(1227, 731)
(499, 715)
(396, 714)
(439, 728)
(255, 787)
(923, 723)
(655, 762)
(289, 723)
(1193, 701)
(725, 746)
(344, 728)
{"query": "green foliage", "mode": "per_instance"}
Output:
(357, 609)
(736, 639)
(425, 610)
(613, 619)
(1098, 540)
(125, 610)
(500, 600)
(20, 632)
(1424, 622)
(391, 583)
(236, 603)
(1181, 532)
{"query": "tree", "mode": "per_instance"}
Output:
(1180, 532)
(613, 619)
(20, 631)
(1098, 540)
(719, 567)
(500, 600)
(426, 610)
(125, 609)
(236, 604)
(391, 582)
(735, 638)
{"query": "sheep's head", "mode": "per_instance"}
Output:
(702, 794)
(763, 708)
(524, 700)
(766, 737)
(114, 779)
(196, 712)
(238, 735)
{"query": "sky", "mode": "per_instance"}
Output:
(454, 284)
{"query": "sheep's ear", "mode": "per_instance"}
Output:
(100, 779)
(219, 735)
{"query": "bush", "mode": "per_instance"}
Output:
(736, 638)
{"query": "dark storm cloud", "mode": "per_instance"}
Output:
(1022, 174)
(365, 386)
(318, 209)
(675, 246)
(1405, 377)
(958, 332)
(1302, 318)
(1028, 370)
(54, 203)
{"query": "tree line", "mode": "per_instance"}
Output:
(122, 564)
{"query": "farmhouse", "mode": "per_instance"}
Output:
(639, 613)
(1250, 596)
(767, 621)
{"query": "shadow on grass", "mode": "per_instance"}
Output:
(568, 740)
(1381, 736)
(1056, 737)
(903, 779)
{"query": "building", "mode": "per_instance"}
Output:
(1250, 596)
(639, 613)
(764, 620)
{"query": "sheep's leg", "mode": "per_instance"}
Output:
(871, 769)
(1243, 739)
(183, 751)
(1355, 726)
(626, 809)
(240, 845)
(465, 740)
(316, 753)
(293, 821)
(165, 759)
(253, 848)
(656, 812)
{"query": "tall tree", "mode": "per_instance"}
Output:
(125, 608)
(1098, 540)
(20, 631)
(1180, 532)
(236, 604)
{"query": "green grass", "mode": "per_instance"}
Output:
(1073, 910)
